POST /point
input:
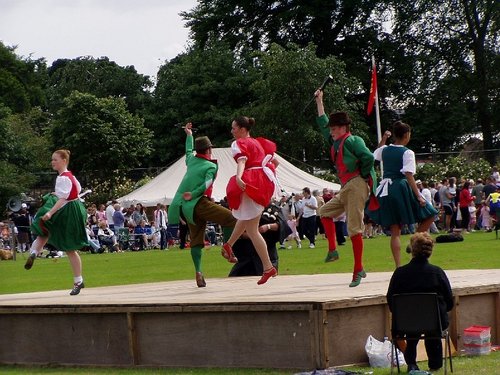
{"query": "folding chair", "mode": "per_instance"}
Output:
(416, 315)
(172, 237)
(124, 238)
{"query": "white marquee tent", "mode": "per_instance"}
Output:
(164, 186)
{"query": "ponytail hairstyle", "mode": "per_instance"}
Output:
(64, 154)
(399, 129)
(245, 122)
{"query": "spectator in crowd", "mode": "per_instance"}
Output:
(101, 213)
(354, 166)
(95, 246)
(419, 276)
(110, 210)
(294, 235)
(161, 223)
(299, 211)
(183, 234)
(310, 205)
(477, 191)
(327, 195)
(321, 202)
(486, 222)
(489, 188)
(465, 200)
(495, 175)
(447, 196)
(142, 235)
(107, 237)
(401, 202)
(5, 235)
(211, 234)
(427, 195)
(139, 214)
(340, 229)
(92, 219)
(118, 217)
(22, 223)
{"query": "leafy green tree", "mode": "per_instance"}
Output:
(205, 87)
(456, 166)
(21, 80)
(456, 43)
(23, 152)
(101, 134)
(247, 24)
(100, 77)
(288, 78)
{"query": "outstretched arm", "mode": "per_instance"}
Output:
(319, 102)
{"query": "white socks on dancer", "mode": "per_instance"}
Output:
(78, 279)
(36, 246)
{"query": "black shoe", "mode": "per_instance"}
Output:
(30, 261)
(413, 367)
(76, 288)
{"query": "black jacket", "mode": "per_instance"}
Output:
(419, 276)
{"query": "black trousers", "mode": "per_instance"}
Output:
(309, 228)
(434, 349)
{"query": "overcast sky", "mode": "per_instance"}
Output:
(143, 33)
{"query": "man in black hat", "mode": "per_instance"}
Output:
(193, 201)
(353, 162)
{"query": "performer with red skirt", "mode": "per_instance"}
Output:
(251, 189)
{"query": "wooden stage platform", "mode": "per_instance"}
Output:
(296, 322)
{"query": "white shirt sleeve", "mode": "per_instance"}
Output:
(235, 150)
(63, 187)
(409, 164)
(377, 154)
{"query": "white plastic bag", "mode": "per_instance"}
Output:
(379, 353)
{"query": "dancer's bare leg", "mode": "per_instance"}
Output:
(238, 230)
(396, 244)
(252, 228)
(76, 263)
(426, 224)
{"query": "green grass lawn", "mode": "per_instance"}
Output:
(478, 251)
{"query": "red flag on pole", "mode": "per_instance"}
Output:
(373, 91)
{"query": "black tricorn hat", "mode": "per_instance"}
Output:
(202, 143)
(339, 119)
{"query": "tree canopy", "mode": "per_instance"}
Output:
(438, 66)
(101, 134)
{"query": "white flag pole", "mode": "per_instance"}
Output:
(377, 113)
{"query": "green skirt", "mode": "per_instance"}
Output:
(66, 228)
(400, 206)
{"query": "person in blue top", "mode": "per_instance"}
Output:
(400, 201)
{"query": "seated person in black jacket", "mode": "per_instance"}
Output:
(419, 276)
(273, 228)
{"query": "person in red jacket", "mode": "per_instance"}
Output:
(465, 199)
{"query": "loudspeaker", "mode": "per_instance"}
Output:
(14, 204)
